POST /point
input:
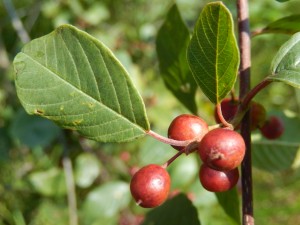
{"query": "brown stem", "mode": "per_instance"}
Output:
(245, 103)
(193, 146)
(166, 164)
(251, 94)
(245, 65)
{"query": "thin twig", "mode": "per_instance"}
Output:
(16, 21)
(69, 174)
(245, 65)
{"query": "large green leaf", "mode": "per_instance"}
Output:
(280, 154)
(176, 211)
(171, 44)
(286, 25)
(73, 79)
(229, 201)
(286, 63)
(213, 54)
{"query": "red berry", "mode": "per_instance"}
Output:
(218, 181)
(187, 127)
(150, 186)
(273, 128)
(258, 115)
(229, 108)
(222, 149)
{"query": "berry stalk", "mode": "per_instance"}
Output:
(168, 140)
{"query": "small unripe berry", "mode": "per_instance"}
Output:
(273, 128)
(218, 181)
(229, 108)
(222, 149)
(258, 115)
(187, 127)
(150, 186)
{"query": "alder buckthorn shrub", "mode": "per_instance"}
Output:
(222, 149)
(258, 115)
(218, 181)
(273, 128)
(187, 127)
(150, 186)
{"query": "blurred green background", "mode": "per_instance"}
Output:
(37, 157)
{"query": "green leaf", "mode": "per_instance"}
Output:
(282, 0)
(49, 183)
(184, 171)
(176, 211)
(229, 201)
(171, 44)
(286, 25)
(286, 63)
(274, 156)
(106, 201)
(87, 169)
(213, 54)
(33, 131)
(73, 79)
(49, 213)
(280, 154)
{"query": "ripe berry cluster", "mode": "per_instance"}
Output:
(221, 151)
(270, 128)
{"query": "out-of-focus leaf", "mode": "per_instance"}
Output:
(106, 201)
(171, 44)
(213, 54)
(282, 0)
(176, 211)
(183, 171)
(286, 25)
(95, 14)
(49, 183)
(33, 131)
(151, 149)
(5, 144)
(229, 201)
(87, 168)
(280, 154)
(50, 214)
(286, 63)
(73, 79)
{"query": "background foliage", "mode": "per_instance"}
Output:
(35, 154)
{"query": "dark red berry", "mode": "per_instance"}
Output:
(229, 108)
(150, 186)
(218, 181)
(258, 115)
(273, 128)
(222, 149)
(187, 127)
